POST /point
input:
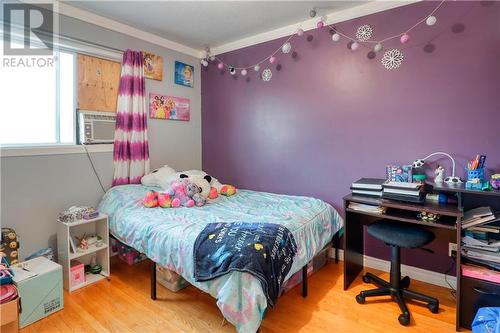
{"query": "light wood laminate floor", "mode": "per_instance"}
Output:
(123, 305)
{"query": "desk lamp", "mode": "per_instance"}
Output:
(448, 180)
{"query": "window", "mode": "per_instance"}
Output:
(37, 106)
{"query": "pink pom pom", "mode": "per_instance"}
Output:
(190, 203)
(243, 72)
(404, 39)
(320, 25)
(354, 46)
(220, 65)
(272, 60)
(300, 32)
(176, 203)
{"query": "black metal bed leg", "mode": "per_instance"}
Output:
(335, 244)
(153, 280)
(304, 281)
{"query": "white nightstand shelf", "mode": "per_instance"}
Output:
(100, 255)
(91, 249)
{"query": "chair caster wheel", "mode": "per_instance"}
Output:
(404, 319)
(366, 279)
(405, 282)
(433, 307)
(360, 299)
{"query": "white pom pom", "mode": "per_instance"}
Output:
(335, 37)
(256, 68)
(286, 47)
(431, 20)
(378, 47)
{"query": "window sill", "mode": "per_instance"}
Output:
(53, 150)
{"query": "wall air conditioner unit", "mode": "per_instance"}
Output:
(96, 127)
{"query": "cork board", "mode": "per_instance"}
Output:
(98, 82)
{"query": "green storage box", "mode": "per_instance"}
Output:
(39, 283)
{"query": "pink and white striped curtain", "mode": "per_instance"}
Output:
(131, 150)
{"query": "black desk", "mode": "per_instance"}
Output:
(451, 215)
(405, 212)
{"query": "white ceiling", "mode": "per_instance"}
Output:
(198, 24)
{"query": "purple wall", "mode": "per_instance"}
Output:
(331, 115)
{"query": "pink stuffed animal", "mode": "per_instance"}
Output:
(177, 192)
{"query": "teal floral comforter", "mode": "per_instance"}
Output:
(167, 236)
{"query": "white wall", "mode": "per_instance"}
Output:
(34, 189)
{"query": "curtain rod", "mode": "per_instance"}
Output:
(81, 41)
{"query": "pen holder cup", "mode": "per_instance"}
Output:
(475, 174)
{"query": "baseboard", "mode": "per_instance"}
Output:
(415, 273)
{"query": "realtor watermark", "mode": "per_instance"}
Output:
(29, 62)
(28, 35)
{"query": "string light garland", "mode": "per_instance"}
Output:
(404, 38)
(286, 48)
(363, 35)
(392, 59)
(266, 75)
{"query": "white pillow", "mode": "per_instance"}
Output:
(159, 177)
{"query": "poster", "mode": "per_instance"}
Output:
(153, 66)
(169, 107)
(184, 74)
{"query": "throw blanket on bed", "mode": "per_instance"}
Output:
(265, 250)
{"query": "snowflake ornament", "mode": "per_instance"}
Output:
(364, 33)
(392, 59)
(266, 75)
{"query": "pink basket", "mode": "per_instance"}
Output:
(76, 273)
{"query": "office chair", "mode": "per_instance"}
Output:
(397, 235)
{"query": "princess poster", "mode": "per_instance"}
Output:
(169, 107)
(184, 74)
(153, 66)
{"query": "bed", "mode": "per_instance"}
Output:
(167, 237)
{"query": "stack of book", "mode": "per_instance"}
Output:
(403, 191)
(367, 208)
(368, 186)
(481, 245)
(486, 253)
(480, 272)
(481, 216)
